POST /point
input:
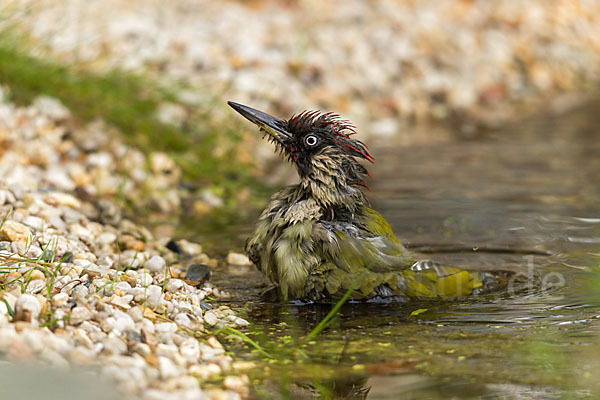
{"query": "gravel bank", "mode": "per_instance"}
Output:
(82, 286)
(378, 63)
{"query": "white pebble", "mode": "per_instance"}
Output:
(173, 285)
(144, 279)
(167, 368)
(106, 238)
(136, 314)
(80, 314)
(237, 259)
(165, 327)
(35, 223)
(156, 264)
(27, 308)
(60, 299)
(190, 349)
(210, 318)
(153, 296)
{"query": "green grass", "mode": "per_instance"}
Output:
(129, 102)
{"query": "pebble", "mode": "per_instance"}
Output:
(198, 273)
(154, 296)
(80, 314)
(13, 231)
(37, 274)
(106, 238)
(174, 285)
(113, 344)
(210, 318)
(238, 259)
(142, 349)
(185, 322)
(60, 299)
(168, 369)
(238, 384)
(190, 350)
(190, 249)
(4, 315)
(144, 280)
(35, 223)
(27, 308)
(156, 264)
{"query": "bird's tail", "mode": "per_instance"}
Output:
(429, 279)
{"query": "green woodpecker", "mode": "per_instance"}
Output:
(319, 238)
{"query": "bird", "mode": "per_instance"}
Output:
(319, 240)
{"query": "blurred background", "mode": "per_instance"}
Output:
(379, 62)
(482, 116)
(160, 72)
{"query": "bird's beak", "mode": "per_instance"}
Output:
(275, 127)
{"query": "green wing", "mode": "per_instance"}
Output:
(369, 258)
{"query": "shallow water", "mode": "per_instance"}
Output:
(524, 198)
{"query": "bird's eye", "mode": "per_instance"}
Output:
(311, 140)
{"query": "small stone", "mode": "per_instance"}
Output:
(197, 274)
(27, 308)
(80, 292)
(149, 337)
(59, 179)
(189, 248)
(3, 314)
(128, 242)
(10, 299)
(144, 279)
(81, 338)
(141, 348)
(121, 301)
(237, 383)
(174, 285)
(214, 343)
(204, 371)
(123, 287)
(184, 321)
(33, 222)
(166, 327)
(136, 314)
(36, 274)
(243, 365)
(36, 286)
(167, 368)
(81, 233)
(106, 238)
(156, 264)
(81, 356)
(190, 349)
(114, 345)
(80, 314)
(60, 299)
(210, 318)
(174, 247)
(210, 198)
(238, 259)
(153, 296)
(14, 232)
(167, 350)
(94, 271)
